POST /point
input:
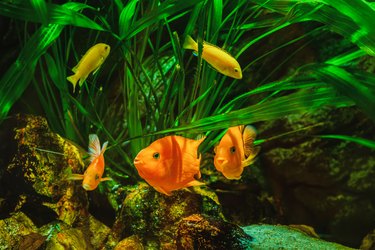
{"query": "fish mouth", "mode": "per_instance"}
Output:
(86, 187)
(221, 161)
(138, 162)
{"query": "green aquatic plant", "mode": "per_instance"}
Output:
(150, 86)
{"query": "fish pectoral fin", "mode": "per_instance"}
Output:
(96, 70)
(163, 191)
(75, 177)
(106, 179)
(194, 183)
(82, 80)
(250, 160)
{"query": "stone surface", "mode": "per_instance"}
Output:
(368, 243)
(203, 232)
(14, 229)
(36, 176)
(325, 183)
(154, 216)
(284, 237)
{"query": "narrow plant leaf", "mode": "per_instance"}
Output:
(19, 75)
(126, 16)
(66, 14)
(164, 10)
(358, 140)
(299, 102)
(40, 8)
(349, 85)
(351, 19)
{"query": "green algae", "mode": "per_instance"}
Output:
(283, 237)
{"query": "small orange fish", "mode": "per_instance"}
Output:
(218, 58)
(170, 163)
(93, 174)
(235, 151)
(91, 61)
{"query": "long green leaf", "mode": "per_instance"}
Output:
(302, 101)
(66, 14)
(358, 140)
(164, 10)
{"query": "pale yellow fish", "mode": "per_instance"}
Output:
(218, 58)
(90, 62)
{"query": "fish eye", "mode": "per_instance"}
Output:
(106, 47)
(96, 177)
(232, 150)
(236, 70)
(156, 155)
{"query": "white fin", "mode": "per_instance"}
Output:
(248, 135)
(189, 43)
(94, 147)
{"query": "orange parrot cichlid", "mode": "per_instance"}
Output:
(170, 163)
(235, 151)
(93, 174)
(90, 62)
(218, 58)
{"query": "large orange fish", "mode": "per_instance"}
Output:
(218, 58)
(170, 163)
(94, 172)
(235, 151)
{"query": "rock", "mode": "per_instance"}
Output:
(154, 217)
(203, 232)
(284, 237)
(368, 243)
(325, 183)
(14, 229)
(36, 177)
(131, 243)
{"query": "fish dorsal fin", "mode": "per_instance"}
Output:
(94, 147)
(248, 135)
(213, 45)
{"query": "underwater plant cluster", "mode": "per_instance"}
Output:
(201, 124)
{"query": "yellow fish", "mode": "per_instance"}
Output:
(218, 58)
(90, 62)
(94, 172)
(235, 151)
(170, 163)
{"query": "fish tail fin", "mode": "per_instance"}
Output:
(104, 147)
(189, 43)
(73, 79)
(94, 147)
